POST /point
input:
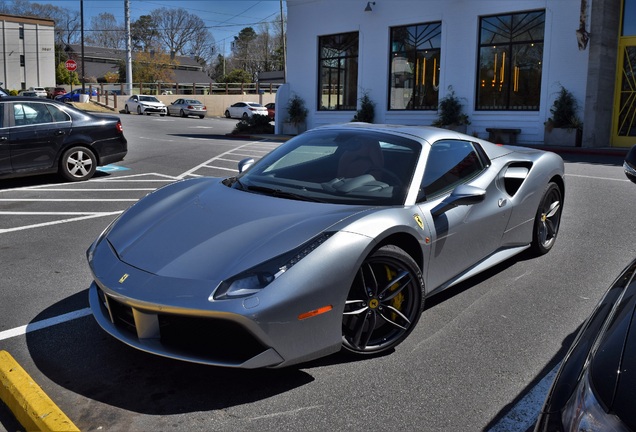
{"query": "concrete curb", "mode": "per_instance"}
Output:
(28, 402)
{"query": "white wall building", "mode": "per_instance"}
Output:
(506, 60)
(28, 52)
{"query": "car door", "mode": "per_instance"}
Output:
(237, 109)
(175, 106)
(5, 154)
(38, 132)
(465, 234)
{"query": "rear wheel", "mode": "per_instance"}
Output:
(77, 164)
(547, 220)
(384, 303)
(182, 113)
(245, 116)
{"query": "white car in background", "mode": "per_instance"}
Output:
(245, 110)
(40, 91)
(143, 104)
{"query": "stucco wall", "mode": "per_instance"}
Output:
(564, 64)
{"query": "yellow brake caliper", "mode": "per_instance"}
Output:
(397, 301)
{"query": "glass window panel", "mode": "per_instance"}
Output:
(414, 62)
(338, 76)
(510, 61)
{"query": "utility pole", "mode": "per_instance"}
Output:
(129, 73)
(282, 32)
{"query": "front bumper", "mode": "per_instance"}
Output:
(174, 317)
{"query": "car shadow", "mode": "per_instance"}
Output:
(80, 357)
(42, 180)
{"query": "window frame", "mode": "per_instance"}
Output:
(433, 31)
(512, 44)
(347, 100)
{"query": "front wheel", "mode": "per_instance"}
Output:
(77, 164)
(126, 110)
(384, 303)
(139, 110)
(227, 114)
(547, 220)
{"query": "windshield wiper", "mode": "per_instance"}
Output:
(280, 193)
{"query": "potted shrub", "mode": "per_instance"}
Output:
(564, 128)
(366, 113)
(450, 115)
(296, 116)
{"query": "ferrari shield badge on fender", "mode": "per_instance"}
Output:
(419, 221)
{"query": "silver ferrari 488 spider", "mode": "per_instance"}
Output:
(333, 240)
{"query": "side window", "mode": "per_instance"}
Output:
(58, 114)
(31, 113)
(450, 163)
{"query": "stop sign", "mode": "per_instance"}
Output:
(71, 65)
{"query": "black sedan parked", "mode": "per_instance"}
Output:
(39, 136)
(595, 388)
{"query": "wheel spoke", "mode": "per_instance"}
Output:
(553, 209)
(363, 307)
(393, 322)
(403, 274)
(361, 340)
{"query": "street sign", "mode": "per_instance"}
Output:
(71, 65)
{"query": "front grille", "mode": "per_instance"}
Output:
(208, 338)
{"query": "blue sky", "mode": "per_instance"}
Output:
(224, 18)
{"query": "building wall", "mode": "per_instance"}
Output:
(38, 50)
(564, 64)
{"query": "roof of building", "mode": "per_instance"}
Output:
(98, 61)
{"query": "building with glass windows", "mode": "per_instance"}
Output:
(506, 61)
(28, 52)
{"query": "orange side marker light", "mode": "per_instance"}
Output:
(314, 312)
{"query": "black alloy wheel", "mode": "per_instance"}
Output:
(384, 303)
(547, 220)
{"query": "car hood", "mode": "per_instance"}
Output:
(202, 229)
(156, 104)
(613, 368)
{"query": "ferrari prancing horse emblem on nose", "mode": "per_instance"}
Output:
(123, 278)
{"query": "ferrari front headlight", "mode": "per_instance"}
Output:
(583, 412)
(255, 279)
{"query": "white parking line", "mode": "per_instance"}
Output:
(57, 222)
(38, 325)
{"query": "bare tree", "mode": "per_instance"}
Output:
(106, 32)
(177, 28)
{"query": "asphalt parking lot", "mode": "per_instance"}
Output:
(479, 359)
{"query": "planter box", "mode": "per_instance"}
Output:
(562, 137)
(293, 128)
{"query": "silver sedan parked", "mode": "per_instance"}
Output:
(187, 107)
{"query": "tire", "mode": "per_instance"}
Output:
(245, 116)
(182, 113)
(547, 220)
(227, 114)
(384, 303)
(78, 164)
(168, 113)
(126, 110)
(201, 116)
(139, 110)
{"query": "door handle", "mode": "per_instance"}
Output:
(60, 132)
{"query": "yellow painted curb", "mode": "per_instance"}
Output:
(28, 402)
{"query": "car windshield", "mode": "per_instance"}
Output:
(148, 99)
(193, 102)
(336, 166)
